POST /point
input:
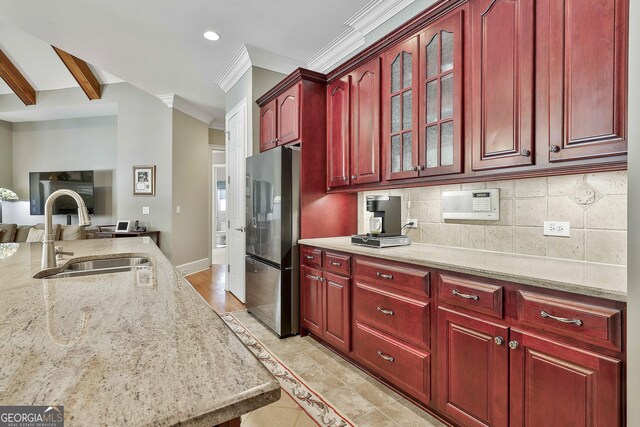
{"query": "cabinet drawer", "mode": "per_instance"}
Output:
(337, 263)
(412, 280)
(311, 257)
(405, 318)
(471, 294)
(407, 367)
(590, 323)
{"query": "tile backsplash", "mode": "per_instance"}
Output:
(594, 204)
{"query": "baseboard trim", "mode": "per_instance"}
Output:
(193, 267)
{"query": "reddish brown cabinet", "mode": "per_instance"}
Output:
(558, 385)
(502, 49)
(587, 87)
(268, 125)
(400, 67)
(473, 369)
(337, 313)
(365, 123)
(311, 298)
(441, 94)
(288, 117)
(338, 133)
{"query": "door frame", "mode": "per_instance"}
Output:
(248, 151)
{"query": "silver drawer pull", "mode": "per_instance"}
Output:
(561, 319)
(313, 277)
(385, 311)
(337, 264)
(386, 356)
(309, 256)
(467, 296)
(384, 276)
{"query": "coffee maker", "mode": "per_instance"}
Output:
(386, 217)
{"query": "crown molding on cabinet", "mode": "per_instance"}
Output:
(249, 56)
(180, 104)
(367, 19)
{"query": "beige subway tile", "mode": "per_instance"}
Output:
(415, 233)
(441, 234)
(433, 212)
(507, 188)
(472, 236)
(531, 212)
(361, 226)
(608, 213)
(506, 213)
(498, 238)
(430, 193)
(606, 246)
(415, 194)
(609, 182)
(532, 187)
(530, 241)
(567, 247)
(564, 209)
(563, 185)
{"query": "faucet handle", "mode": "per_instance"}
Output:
(60, 253)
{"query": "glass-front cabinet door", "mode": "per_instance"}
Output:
(400, 110)
(441, 86)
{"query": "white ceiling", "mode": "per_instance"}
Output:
(157, 45)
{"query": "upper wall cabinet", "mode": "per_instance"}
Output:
(400, 110)
(365, 123)
(441, 94)
(268, 126)
(338, 133)
(288, 118)
(587, 45)
(502, 52)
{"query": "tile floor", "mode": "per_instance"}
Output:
(353, 393)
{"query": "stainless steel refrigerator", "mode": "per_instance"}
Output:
(272, 231)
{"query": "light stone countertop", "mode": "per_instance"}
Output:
(116, 350)
(579, 277)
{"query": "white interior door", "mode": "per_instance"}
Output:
(237, 151)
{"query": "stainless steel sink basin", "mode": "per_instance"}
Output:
(97, 266)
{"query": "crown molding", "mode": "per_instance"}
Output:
(239, 65)
(180, 104)
(367, 19)
(217, 123)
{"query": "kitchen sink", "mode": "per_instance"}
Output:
(97, 266)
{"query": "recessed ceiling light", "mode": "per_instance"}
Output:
(212, 35)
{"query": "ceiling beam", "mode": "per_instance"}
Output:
(16, 81)
(81, 72)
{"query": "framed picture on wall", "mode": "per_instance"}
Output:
(144, 180)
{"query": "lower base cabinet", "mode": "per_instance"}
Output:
(473, 369)
(556, 385)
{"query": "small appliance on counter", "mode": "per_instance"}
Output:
(385, 225)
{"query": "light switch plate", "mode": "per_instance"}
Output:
(145, 210)
(557, 228)
(178, 209)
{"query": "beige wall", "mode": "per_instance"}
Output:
(598, 230)
(633, 301)
(190, 189)
(216, 137)
(6, 155)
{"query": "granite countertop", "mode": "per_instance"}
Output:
(121, 348)
(579, 277)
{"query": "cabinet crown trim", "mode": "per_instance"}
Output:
(295, 77)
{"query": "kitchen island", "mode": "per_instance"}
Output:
(126, 348)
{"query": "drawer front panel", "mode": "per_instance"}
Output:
(402, 317)
(405, 278)
(337, 263)
(407, 367)
(311, 257)
(589, 323)
(471, 294)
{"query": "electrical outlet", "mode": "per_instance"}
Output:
(557, 228)
(178, 210)
(145, 210)
(414, 221)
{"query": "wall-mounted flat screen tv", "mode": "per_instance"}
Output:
(42, 184)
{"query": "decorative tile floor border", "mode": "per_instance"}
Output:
(318, 409)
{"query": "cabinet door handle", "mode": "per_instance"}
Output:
(418, 168)
(525, 153)
(498, 340)
(354, 176)
(554, 148)
(385, 311)
(314, 277)
(337, 264)
(561, 319)
(513, 345)
(386, 356)
(309, 256)
(467, 296)
(384, 276)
